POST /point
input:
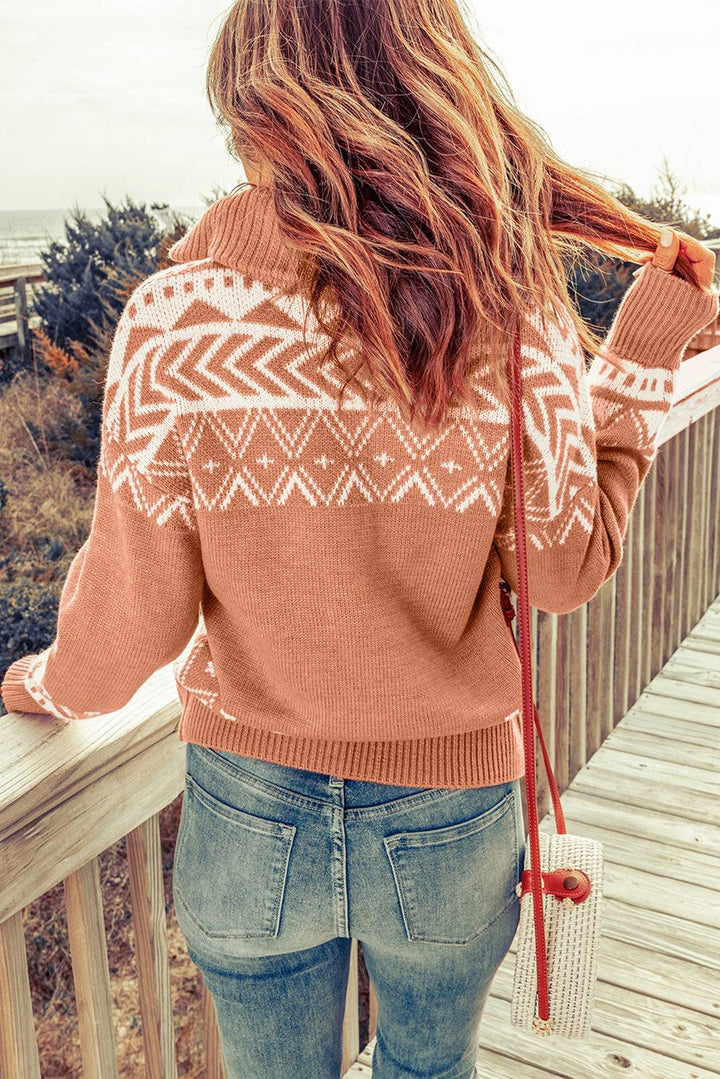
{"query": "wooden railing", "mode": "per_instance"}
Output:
(16, 321)
(68, 791)
(591, 665)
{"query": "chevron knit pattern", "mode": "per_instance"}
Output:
(324, 576)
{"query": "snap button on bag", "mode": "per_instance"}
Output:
(561, 886)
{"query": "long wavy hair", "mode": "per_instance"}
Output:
(428, 211)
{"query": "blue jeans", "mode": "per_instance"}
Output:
(277, 868)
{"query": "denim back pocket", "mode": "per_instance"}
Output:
(452, 882)
(230, 867)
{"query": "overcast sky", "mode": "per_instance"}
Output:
(107, 96)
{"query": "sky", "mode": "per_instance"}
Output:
(108, 97)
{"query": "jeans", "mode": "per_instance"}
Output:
(278, 868)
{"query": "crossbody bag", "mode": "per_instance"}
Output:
(560, 889)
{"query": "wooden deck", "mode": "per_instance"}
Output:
(651, 795)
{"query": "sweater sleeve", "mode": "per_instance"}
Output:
(131, 598)
(590, 435)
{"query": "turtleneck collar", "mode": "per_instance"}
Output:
(242, 231)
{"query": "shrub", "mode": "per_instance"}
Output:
(88, 277)
(28, 619)
(50, 415)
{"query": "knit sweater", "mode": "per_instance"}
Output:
(334, 570)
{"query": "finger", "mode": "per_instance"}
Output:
(667, 249)
(642, 261)
(703, 260)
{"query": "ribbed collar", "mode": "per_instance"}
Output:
(242, 231)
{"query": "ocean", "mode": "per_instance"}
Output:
(25, 234)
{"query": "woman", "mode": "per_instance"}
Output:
(305, 439)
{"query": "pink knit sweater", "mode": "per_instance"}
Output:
(335, 569)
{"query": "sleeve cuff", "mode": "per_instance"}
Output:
(13, 692)
(658, 317)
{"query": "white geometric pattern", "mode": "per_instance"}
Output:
(216, 396)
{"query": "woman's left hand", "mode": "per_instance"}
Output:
(701, 256)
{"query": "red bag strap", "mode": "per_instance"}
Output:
(529, 711)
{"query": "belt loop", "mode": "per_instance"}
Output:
(336, 781)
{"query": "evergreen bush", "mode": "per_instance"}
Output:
(28, 619)
(88, 276)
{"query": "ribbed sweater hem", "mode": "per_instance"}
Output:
(478, 758)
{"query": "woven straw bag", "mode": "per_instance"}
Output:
(560, 891)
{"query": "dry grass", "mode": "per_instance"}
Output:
(49, 498)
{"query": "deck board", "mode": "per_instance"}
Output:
(650, 795)
(646, 1021)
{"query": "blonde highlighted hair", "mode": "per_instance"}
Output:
(429, 210)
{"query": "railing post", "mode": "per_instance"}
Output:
(21, 321)
(708, 594)
(692, 585)
(652, 568)
(547, 696)
(671, 510)
(577, 681)
(600, 657)
(681, 535)
(151, 951)
(351, 1021)
(661, 547)
(18, 1045)
(638, 626)
(623, 629)
(372, 1010)
(86, 930)
(214, 1063)
(562, 716)
(715, 506)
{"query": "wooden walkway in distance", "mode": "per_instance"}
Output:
(651, 795)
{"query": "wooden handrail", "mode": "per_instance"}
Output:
(698, 392)
(32, 271)
(60, 772)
